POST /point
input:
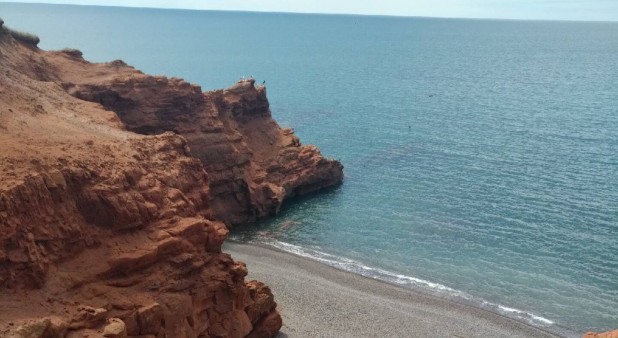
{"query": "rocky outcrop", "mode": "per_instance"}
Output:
(114, 193)
(55, 213)
(253, 164)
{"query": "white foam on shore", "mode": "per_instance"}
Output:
(523, 314)
(407, 281)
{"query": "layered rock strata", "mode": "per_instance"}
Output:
(114, 193)
(253, 164)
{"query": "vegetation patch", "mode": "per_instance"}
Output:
(73, 52)
(24, 37)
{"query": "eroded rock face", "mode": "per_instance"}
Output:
(114, 190)
(253, 164)
(54, 214)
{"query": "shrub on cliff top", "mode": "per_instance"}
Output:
(1, 22)
(24, 37)
(73, 52)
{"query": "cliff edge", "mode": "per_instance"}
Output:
(253, 164)
(115, 191)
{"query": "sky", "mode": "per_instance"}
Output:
(589, 10)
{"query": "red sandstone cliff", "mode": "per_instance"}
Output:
(252, 163)
(114, 186)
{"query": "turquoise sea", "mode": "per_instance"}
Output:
(481, 156)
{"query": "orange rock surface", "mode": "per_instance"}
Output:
(610, 334)
(115, 191)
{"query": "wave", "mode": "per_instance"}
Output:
(418, 284)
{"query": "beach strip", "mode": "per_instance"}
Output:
(316, 300)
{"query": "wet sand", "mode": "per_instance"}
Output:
(316, 300)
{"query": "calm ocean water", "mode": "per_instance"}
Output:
(481, 156)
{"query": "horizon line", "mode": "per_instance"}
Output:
(312, 13)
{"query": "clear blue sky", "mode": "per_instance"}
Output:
(605, 10)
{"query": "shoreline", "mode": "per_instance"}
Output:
(317, 300)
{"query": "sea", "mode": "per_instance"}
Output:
(481, 156)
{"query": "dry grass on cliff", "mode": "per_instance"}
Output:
(25, 37)
(73, 52)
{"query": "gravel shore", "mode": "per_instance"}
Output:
(316, 300)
